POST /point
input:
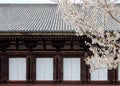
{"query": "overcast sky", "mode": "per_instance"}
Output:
(27, 1)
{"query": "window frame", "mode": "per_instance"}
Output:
(82, 63)
(45, 55)
(58, 69)
(109, 81)
(25, 69)
(71, 81)
(18, 55)
(45, 81)
(101, 81)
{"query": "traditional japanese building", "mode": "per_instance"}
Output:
(38, 48)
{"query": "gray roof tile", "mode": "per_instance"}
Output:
(36, 18)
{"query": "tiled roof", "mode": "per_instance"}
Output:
(36, 18)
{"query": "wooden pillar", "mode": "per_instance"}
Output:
(4, 61)
(28, 69)
(0, 69)
(31, 61)
(85, 73)
(58, 61)
(88, 77)
(31, 68)
(58, 68)
(4, 68)
(112, 76)
(85, 76)
(55, 68)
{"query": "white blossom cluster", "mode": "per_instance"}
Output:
(106, 50)
(83, 16)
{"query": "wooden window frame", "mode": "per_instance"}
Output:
(45, 55)
(58, 68)
(75, 55)
(72, 81)
(45, 81)
(109, 81)
(18, 81)
(100, 81)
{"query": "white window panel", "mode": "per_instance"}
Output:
(67, 69)
(100, 74)
(44, 69)
(71, 69)
(17, 68)
(119, 71)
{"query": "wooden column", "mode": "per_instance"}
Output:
(58, 68)
(28, 69)
(55, 68)
(0, 69)
(4, 68)
(58, 61)
(31, 61)
(85, 76)
(31, 68)
(85, 73)
(112, 76)
(4, 61)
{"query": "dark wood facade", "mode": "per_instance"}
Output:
(55, 46)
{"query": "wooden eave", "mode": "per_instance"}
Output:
(44, 37)
(37, 33)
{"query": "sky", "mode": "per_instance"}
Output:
(28, 1)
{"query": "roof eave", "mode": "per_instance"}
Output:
(36, 33)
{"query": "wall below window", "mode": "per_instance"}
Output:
(53, 85)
